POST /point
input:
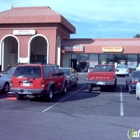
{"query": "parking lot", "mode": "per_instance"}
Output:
(78, 115)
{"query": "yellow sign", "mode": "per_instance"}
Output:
(112, 49)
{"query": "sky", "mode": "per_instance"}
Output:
(92, 18)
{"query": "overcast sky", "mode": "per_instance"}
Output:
(92, 18)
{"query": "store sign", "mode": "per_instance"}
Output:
(73, 49)
(24, 32)
(112, 49)
(23, 60)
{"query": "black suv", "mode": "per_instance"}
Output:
(36, 80)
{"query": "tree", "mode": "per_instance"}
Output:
(137, 36)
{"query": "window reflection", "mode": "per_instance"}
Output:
(86, 61)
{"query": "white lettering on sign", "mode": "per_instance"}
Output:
(73, 48)
(24, 32)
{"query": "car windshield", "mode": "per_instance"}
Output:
(66, 71)
(103, 68)
(136, 74)
(121, 66)
(28, 71)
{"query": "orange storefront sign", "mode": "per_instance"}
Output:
(112, 49)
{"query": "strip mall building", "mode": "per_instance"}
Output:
(39, 34)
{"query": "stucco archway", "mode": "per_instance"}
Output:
(58, 47)
(38, 49)
(10, 48)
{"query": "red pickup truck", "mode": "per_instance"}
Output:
(102, 76)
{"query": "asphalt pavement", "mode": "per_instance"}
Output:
(78, 115)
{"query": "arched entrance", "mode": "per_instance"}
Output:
(9, 51)
(38, 49)
(58, 46)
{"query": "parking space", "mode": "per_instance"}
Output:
(80, 101)
(79, 114)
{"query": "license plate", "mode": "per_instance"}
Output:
(101, 83)
(26, 84)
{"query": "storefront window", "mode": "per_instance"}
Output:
(138, 59)
(82, 62)
(73, 56)
(85, 61)
(93, 60)
(110, 59)
(121, 58)
(103, 58)
(132, 61)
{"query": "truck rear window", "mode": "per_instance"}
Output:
(103, 68)
(28, 71)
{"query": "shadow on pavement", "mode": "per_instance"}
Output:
(3, 95)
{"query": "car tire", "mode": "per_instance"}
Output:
(69, 86)
(90, 87)
(113, 88)
(6, 88)
(64, 90)
(19, 96)
(50, 94)
(126, 85)
(76, 82)
(130, 90)
(102, 88)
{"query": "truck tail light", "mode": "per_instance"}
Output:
(133, 81)
(11, 83)
(43, 83)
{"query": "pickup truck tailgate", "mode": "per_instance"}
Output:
(100, 76)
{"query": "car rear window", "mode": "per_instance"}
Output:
(103, 68)
(136, 74)
(66, 71)
(28, 71)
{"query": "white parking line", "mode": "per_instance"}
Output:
(121, 102)
(62, 100)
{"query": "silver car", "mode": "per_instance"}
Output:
(72, 76)
(5, 79)
(122, 69)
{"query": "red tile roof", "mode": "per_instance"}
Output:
(102, 42)
(34, 15)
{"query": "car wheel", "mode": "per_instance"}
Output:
(69, 85)
(6, 88)
(64, 91)
(102, 88)
(113, 88)
(76, 82)
(126, 85)
(19, 96)
(89, 87)
(50, 94)
(130, 90)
